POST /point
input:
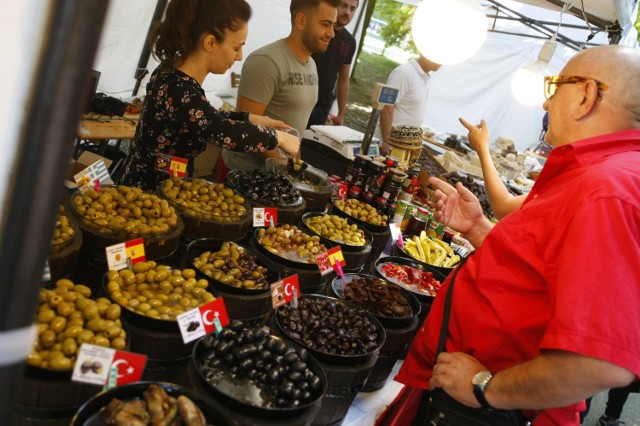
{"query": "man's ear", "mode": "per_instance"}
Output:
(590, 98)
(300, 20)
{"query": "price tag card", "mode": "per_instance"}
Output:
(265, 216)
(326, 261)
(203, 320)
(342, 192)
(93, 177)
(285, 291)
(125, 255)
(396, 234)
(95, 362)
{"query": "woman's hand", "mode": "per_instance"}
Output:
(289, 143)
(263, 120)
(478, 135)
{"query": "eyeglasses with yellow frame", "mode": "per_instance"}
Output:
(551, 83)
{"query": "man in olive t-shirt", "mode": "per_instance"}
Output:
(280, 80)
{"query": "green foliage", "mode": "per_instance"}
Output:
(398, 17)
(638, 25)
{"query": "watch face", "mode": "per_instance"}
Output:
(481, 377)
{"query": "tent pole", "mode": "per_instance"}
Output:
(69, 42)
(141, 69)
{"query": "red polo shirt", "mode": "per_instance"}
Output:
(562, 272)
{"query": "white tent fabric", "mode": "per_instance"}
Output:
(478, 88)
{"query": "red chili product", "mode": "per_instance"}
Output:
(354, 192)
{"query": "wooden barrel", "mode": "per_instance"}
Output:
(394, 347)
(290, 215)
(62, 259)
(344, 383)
(49, 398)
(168, 356)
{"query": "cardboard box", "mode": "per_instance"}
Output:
(76, 166)
(206, 162)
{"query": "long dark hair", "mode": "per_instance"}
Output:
(187, 20)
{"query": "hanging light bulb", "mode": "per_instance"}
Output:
(527, 83)
(448, 31)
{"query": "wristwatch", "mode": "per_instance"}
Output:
(480, 382)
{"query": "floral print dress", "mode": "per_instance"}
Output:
(177, 120)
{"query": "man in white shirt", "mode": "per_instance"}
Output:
(412, 79)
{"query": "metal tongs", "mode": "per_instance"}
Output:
(296, 168)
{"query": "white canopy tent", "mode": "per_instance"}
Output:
(478, 88)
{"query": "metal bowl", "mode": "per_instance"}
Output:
(328, 357)
(91, 413)
(392, 322)
(197, 247)
(234, 392)
(421, 295)
(345, 246)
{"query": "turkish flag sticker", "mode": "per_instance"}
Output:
(214, 315)
(130, 367)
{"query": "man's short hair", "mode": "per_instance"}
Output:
(300, 5)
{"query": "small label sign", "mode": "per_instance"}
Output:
(326, 261)
(342, 192)
(93, 176)
(94, 363)
(178, 166)
(203, 320)
(285, 291)
(125, 255)
(265, 216)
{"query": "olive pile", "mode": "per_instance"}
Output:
(291, 243)
(64, 230)
(429, 164)
(377, 297)
(157, 291)
(478, 190)
(123, 211)
(234, 266)
(336, 228)
(362, 211)
(204, 200)
(239, 354)
(265, 186)
(329, 327)
(67, 317)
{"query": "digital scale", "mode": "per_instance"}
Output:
(344, 140)
(349, 142)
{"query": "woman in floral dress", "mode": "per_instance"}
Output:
(197, 37)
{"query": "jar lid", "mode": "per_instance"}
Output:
(377, 166)
(362, 159)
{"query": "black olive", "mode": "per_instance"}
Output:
(314, 383)
(224, 347)
(249, 335)
(281, 402)
(252, 374)
(306, 396)
(303, 354)
(209, 356)
(299, 366)
(308, 374)
(297, 393)
(273, 376)
(295, 376)
(266, 356)
(277, 359)
(285, 388)
(207, 373)
(208, 342)
(234, 370)
(229, 359)
(216, 362)
(246, 364)
(291, 357)
(303, 385)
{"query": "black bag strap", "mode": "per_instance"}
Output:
(444, 328)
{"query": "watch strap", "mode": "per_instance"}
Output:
(478, 391)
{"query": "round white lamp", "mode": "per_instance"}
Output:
(527, 84)
(448, 31)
